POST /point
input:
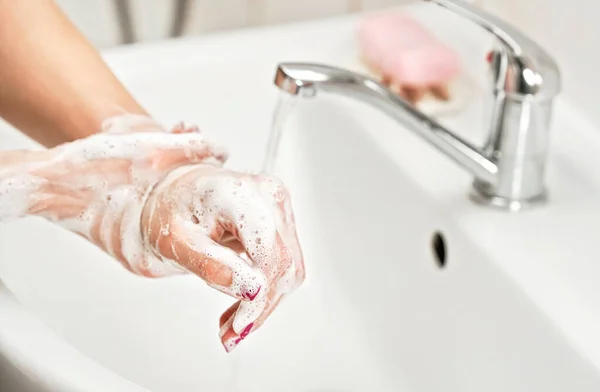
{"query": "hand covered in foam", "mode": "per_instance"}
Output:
(97, 186)
(161, 204)
(224, 226)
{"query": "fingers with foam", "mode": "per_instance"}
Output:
(220, 267)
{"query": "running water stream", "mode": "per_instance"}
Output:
(284, 106)
(281, 112)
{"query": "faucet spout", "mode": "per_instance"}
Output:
(306, 79)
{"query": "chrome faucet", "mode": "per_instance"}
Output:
(509, 168)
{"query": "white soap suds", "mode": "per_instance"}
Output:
(15, 194)
(201, 198)
(252, 208)
(110, 175)
(196, 195)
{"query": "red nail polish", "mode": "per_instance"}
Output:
(246, 331)
(489, 57)
(251, 296)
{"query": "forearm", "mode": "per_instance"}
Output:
(54, 86)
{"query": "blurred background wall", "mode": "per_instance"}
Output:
(566, 28)
(153, 19)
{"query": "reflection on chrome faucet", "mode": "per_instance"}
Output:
(509, 169)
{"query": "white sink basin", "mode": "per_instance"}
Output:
(509, 311)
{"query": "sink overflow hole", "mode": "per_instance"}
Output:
(438, 245)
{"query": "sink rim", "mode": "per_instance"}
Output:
(26, 342)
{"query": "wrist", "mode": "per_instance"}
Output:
(16, 184)
(12, 158)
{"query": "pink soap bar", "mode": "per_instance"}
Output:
(405, 51)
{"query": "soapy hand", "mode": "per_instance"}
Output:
(161, 204)
(223, 226)
(97, 186)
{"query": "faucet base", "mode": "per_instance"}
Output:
(505, 203)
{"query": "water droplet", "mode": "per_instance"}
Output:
(164, 231)
(259, 241)
(195, 219)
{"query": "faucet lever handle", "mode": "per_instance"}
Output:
(522, 66)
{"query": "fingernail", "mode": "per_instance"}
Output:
(246, 331)
(250, 296)
(232, 343)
